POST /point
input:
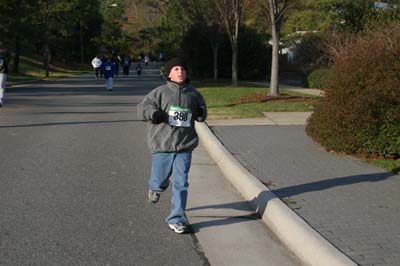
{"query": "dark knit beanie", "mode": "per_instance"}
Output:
(176, 61)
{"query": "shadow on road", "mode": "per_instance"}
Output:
(330, 183)
(221, 220)
(258, 205)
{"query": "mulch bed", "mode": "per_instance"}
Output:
(258, 98)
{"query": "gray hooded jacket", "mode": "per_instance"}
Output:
(182, 104)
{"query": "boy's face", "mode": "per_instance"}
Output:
(178, 74)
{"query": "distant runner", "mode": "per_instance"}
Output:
(4, 56)
(96, 63)
(109, 70)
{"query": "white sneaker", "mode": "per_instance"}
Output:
(154, 196)
(178, 228)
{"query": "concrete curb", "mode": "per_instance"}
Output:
(308, 245)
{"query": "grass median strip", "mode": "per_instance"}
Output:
(226, 101)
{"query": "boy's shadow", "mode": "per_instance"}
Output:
(249, 207)
(256, 207)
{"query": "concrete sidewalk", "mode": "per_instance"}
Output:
(352, 204)
(310, 91)
(271, 118)
(227, 228)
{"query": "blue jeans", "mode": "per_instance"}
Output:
(109, 83)
(176, 164)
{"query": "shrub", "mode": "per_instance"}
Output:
(317, 78)
(360, 113)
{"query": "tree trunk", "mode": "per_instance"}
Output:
(17, 36)
(274, 86)
(234, 65)
(235, 41)
(213, 36)
(17, 53)
(82, 45)
(46, 40)
(46, 56)
(215, 61)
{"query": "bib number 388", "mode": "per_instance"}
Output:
(179, 116)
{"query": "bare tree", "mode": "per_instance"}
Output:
(232, 12)
(275, 11)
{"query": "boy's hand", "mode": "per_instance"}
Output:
(159, 117)
(198, 112)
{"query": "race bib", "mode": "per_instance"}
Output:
(108, 68)
(179, 116)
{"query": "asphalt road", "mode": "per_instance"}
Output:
(74, 168)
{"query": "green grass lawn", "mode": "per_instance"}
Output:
(221, 102)
(31, 69)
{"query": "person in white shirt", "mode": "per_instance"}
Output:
(96, 63)
(4, 56)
